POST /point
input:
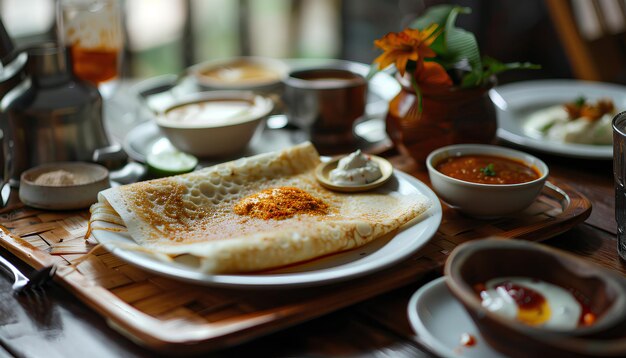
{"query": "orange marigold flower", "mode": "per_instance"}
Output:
(432, 74)
(410, 44)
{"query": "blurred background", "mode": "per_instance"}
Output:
(166, 36)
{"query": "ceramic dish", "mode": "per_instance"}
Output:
(372, 257)
(262, 74)
(516, 101)
(214, 124)
(485, 200)
(322, 173)
(475, 263)
(440, 322)
(93, 178)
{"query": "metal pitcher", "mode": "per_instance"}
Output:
(11, 63)
(51, 116)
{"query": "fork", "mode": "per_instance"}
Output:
(24, 283)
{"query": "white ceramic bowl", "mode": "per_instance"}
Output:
(214, 133)
(64, 197)
(235, 73)
(485, 200)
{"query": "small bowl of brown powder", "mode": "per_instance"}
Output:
(63, 185)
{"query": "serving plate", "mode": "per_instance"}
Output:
(439, 321)
(372, 257)
(516, 101)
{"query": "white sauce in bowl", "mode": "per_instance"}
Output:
(209, 113)
(241, 72)
(219, 110)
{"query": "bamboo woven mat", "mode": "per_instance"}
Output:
(166, 314)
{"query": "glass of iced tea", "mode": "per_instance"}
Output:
(91, 30)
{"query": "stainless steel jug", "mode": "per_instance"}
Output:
(11, 63)
(51, 116)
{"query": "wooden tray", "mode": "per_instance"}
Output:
(168, 315)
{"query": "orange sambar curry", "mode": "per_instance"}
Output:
(487, 169)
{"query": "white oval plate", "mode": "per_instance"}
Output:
(439, 321)
(515, 101)
(372, 257)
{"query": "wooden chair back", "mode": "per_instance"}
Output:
(601, 57)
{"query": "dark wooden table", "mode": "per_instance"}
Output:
(55, 324)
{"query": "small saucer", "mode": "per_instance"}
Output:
(64, 197)
(322, 173)
(439, 321)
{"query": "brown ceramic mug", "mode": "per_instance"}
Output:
(326, 102)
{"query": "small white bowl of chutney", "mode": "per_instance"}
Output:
(486, 181)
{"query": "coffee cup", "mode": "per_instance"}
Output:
(326, 102)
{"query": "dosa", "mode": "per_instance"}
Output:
(196, 213)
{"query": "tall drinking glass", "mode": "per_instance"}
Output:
(91, 30)
(619, 173)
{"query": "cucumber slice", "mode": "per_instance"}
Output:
(170, 162)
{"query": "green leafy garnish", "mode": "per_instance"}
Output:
(488, 170)
(580, 101)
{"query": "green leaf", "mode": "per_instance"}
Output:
(435, 15)
(456, 44)
(418, 93)
(580, 101)
(462, 44)
(470, 80)
(488, 170)
(493, 67)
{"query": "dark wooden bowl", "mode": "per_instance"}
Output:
(477, 262)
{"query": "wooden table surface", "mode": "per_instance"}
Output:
(55, 324)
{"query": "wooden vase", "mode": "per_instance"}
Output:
(449, 115)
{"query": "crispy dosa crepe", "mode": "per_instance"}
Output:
(253, 213)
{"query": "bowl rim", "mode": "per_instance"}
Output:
(265, 103)
(100, 173)
(299, 83)
(497, 151)
(275, 64)
(461, 290)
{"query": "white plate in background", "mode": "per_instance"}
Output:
(516, 101)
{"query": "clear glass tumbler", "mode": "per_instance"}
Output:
(91, 30)
(619, 174)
